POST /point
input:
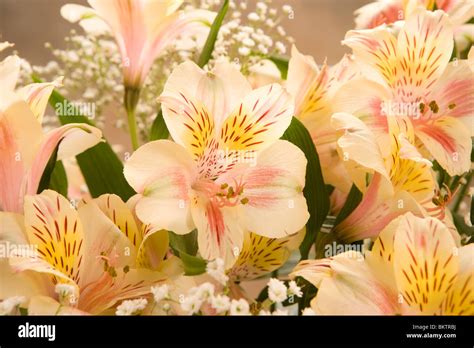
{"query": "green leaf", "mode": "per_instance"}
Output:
(184, 242)
(211, 38)
(58, 180)
(193, 265)
(472, 210)
(48, 171)
(282, 65)
(315, 192)
(158, 128)
(100, 166)
(353, 200)
(185, 247)
(461, 226)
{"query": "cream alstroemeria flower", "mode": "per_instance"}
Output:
(142, 28)
(24, 148)
(389, 11)
(410, 75)
(100, 250)
(414, 268)
(313, 89)
(227, 173)
(401, 180)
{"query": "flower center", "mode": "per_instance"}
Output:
(222, 195)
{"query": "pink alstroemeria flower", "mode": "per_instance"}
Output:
(142, 29)
(228, 172)
(410, 75)
(24, 148)
(389, 11)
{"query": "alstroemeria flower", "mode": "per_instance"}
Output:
(401, 179)
(389, 11)
(100, 250)
(227, 173)
(24, 148)
(414, 268)
(410, 75)
(142, 29)
(313, 89)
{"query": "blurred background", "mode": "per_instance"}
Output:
(318, 26)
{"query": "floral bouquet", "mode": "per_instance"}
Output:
(254, 180)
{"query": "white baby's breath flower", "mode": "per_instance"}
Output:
(191, 304)
(287, 9)
(244, 51)
(9, 305)
(294, 289)
(216, 270)
(277, 290)
(66, 292)
(248, 42)
(280, 47)
(205, 291)
(239, 307)
(308, 311)
(160, 292)
(220, 303)
(253, 17)
(131, 307)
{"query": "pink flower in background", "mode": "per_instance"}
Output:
(227, 173)
(142, 29)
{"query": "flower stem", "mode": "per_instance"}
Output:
(131, 97)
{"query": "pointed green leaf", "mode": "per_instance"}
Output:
(352, 201)
(282, 65)
(58, 180)
(315, 191)
(48, 171)
(212, 37)
(158, 128)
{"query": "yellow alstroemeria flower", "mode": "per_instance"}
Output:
(414, 268)
(101, 250)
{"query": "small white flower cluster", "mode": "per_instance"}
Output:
(131, 307)
(67, 294)
(278, 292)
(220, 304)
(251, 34)
(216, 270)
(10, 304)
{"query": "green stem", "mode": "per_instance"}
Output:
(131, 97)
(462, 193)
